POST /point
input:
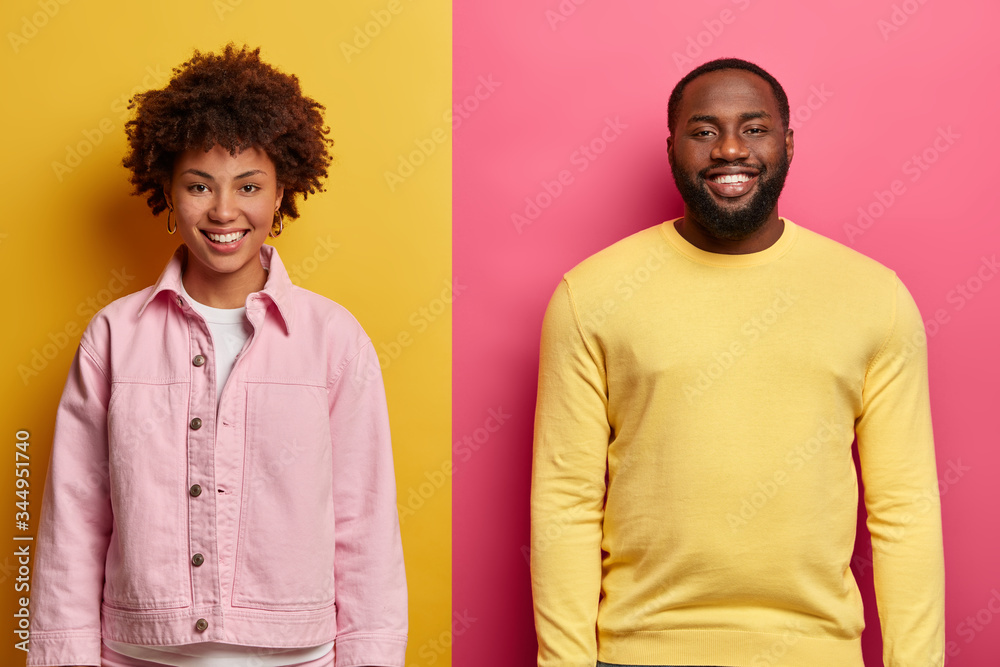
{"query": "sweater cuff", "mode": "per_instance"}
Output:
(370, 650)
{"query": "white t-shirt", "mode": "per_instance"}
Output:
(230, 331)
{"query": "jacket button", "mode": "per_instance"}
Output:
(197, 560)
(199, 360)
(201, 625)
(195, 490)
(195, 423)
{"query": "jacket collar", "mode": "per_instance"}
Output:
(277, 290)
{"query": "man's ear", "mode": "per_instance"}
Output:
(670, 150)
(789, 143)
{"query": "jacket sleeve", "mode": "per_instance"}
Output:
(567, 488)
(369, 575)
(896, 449)
(75, 528)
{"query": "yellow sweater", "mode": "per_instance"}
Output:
(694, 499)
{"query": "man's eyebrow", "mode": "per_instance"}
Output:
(745, 116)
(703, 118)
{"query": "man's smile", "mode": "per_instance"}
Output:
(729, 182)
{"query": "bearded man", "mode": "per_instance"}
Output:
(701, 383)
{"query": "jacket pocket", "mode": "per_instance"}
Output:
(285, 553)
(146, 563)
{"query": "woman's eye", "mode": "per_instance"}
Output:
(250, 187)
(197, 187)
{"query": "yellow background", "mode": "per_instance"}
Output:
(67, 69)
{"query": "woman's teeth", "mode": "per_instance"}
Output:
(225, 238)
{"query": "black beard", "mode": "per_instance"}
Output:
(738, 223)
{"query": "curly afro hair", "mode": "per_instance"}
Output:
(237, 101)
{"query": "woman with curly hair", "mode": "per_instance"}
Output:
(221, 489)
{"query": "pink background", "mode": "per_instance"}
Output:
(879, 97)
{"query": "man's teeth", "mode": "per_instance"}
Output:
(731, 178)
(225, 238)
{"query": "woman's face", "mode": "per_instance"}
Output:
(224, 206)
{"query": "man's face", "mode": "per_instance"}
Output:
(729, 153)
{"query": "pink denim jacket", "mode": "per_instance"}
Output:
(271, 522)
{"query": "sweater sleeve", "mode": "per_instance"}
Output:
(369, 574)
(567, 489)
(896, 448)
(75, 528)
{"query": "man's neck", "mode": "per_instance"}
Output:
(699, 237)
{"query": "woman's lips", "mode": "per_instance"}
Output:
(225, 242)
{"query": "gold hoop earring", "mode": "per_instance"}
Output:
(169, 229)
(281, 224)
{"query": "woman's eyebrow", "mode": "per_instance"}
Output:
(206, 175)
(198, 172)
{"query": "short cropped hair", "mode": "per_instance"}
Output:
(235, 100)
(721, 64)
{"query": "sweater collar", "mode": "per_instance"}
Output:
(696, 254)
